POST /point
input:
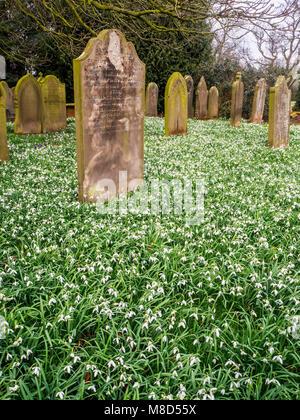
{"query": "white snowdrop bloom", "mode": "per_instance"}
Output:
(51, 301)
(36, 371)
(272, 381)
(136, 385)
(18, 342)
(60, 395)
(111, 364)
(14, 388)
(278, 359)
(68, 369)
(207, 380)
(150, 346)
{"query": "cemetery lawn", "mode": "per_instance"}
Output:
(147, 307)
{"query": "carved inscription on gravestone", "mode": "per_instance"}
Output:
(151, 100)
(279, 114)
(4, 153)
(190, 88)
(110, 102)
(176, 106)
(54, 116)
(259, 100)
(28, 102)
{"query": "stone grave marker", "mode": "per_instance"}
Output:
(28, 103)
(152, 100)
(201, 100)
(213, 103)
(237, 101)
(2, 68)
(259, 100)
(190, 88)
(10, 105)
(176, 106)
(54, 117)
(4, 153)
(109, 83)
(279, 114)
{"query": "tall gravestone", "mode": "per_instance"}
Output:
(237, 101)
(151, 100)
(176, 106)
(54, 113)
(259, 100)
(2, 68)
(109, 105)
(213, 103)
(10, 105)
(28, 103)
(201, 100)
(279, 114)
(190, 88)
(4, 153)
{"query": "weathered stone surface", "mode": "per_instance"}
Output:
(152, 100)
(213, 103)
(237, 101)
(10, 105)
(190, 88)
(28, 102)
(201, 100)
(259, 100)
(279, 114)
(109, 105)
(54, 117)
(176, 106)
(2, 67)
(4, 153)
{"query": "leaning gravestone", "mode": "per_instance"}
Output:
(259, 100)
(201, 100)
(54, 114)
(10, 105)
(237, 101)
(151, 100)
(4, 153)
(213, 103)
(190, 88)
(279, 114)
(176, 106)
(109, 105)
(28, 102)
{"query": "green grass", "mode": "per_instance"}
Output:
(141, 306)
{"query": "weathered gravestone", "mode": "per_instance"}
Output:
(2, 68)
(201, 100)
(213, 103)
(4, 153)
(28, 102)
(176, 106)
(279, 114)
(190, 88)
(54, 117)
(259, 100)
(10, 105)
(152, 100)
(237, 101)
(109, 105)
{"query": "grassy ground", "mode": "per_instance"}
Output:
(145, 307)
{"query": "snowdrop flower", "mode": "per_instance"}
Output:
(60, 395)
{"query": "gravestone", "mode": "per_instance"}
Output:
(109, 105)
(237, 101)
(54, 117)
(4, 153)
(176, 106)
(259, 100)
(28, 102)
(10, 105)
(2, 68)
(190, 88)
(279, 114)
(201, 100)
(213, 103)
(151, 100)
